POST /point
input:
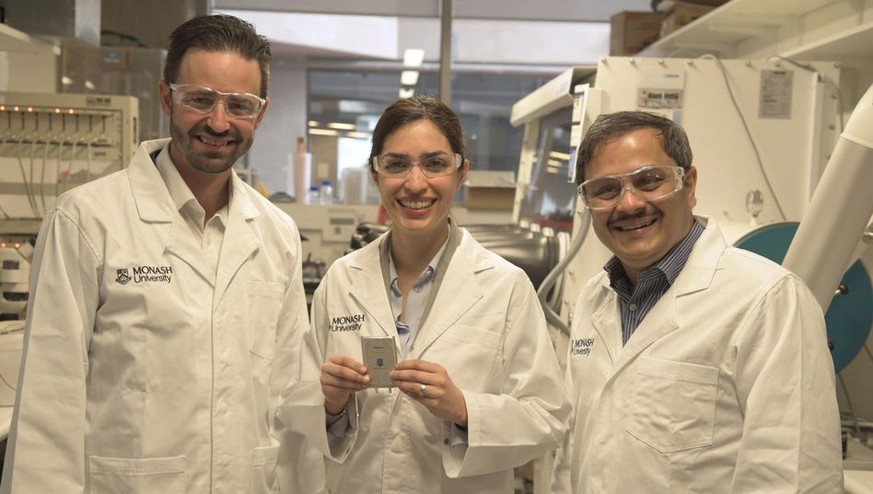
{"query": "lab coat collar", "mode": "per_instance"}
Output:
(152, 198)
(241, 238)
(457, 293)
(154, 204)
(367, 286)
(697, 275)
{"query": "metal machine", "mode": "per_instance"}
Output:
(50, 143)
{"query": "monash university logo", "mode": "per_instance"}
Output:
(351, 322)
(581, 347)
(122, 276)
(145, 274)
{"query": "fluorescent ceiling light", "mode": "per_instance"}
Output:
(413, 57)
(559, 155)
(324, 132)
(313, 123)
(341, 126)
(406, 93)
(358, 135)
(409, 77)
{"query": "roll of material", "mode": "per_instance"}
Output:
(302, 165)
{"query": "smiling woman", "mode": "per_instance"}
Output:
(466, 323)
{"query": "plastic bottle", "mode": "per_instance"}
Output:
(326, 192)
(313, 196)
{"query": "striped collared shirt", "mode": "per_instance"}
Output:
(652, 283)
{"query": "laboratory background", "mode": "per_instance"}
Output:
(775, 96)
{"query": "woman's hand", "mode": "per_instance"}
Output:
(340, 377)
(430, 384)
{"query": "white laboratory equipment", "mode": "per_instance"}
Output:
(50, 143)
(14, 274)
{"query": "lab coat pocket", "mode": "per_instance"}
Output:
(472, 356)
(137, 475)
(264, 300)
(264, 477)
(672, 404)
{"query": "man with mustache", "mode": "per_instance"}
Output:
(693, 366)
(167, 303)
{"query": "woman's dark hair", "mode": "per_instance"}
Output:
(218, 33)
(407, 110)
(613, 125)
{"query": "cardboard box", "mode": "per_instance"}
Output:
(683, 13)
(489, 189)
(631, 31)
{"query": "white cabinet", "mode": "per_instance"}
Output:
(801, 30)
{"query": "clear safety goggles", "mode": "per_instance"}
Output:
(649, 183)
(433, 165)
(203, 100)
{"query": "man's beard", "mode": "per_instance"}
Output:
(206, 162)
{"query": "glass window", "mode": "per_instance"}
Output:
(345, 104)
(550, 199)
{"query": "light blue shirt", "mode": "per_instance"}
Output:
(408, 321)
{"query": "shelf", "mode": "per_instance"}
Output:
(854, 43)
(12, 39)
(808, 29)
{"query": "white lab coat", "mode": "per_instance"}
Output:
(727, 385)
(487, 329)
(167, 384)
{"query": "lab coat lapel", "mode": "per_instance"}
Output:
(660, 321)
(154, 205)
(185, 247)
(457, 294)
(240, 238)
(663, 318)
(368, 290)
(603, 321)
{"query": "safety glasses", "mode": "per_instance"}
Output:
(649, 183)
(203, 100)
(433, 165)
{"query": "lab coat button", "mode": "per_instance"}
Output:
(446, 441)
(633, 307)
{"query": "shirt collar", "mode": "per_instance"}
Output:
(669, 266)
(179, 192)
(426, 276)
